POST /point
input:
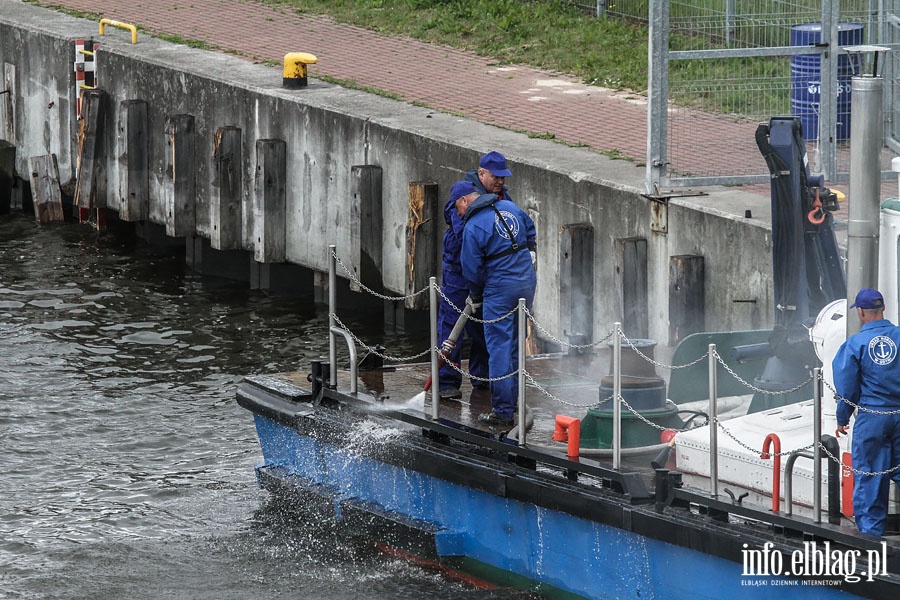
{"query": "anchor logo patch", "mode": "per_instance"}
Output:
(882, 350)
(511, 221)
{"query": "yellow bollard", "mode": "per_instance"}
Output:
(295, 69)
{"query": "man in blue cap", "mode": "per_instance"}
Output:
(488, 178)
(498, 239)
(491, 174)
(454, 289)
(867, 376)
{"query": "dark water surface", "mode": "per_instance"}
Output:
(126, 467)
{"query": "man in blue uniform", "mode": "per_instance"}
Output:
(867, 373)
(488, 178)
(497, 265)
(454, 287)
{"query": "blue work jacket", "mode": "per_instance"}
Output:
(867, 371)
(488, 258)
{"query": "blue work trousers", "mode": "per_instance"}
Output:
(876, 448)
(503, 345)
(454, 287)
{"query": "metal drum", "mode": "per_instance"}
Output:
(806, 78)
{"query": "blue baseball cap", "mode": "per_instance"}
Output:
(460, 189)
(496, 164)
(867, 298)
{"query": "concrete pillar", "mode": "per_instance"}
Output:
(7, 175)
(134, 162)
(92, 111)
(576, 281)
(421, 239)
(45, 190)
(687, 306)
(366, 218)
(226, 197)
(269, 208)
(180, 183)
(631, 286)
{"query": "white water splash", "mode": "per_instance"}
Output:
(417, 402)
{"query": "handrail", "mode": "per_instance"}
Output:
(789, 476)
(772, 439)
(120, 25)
(353, 366)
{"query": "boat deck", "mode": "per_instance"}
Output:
(569, 385)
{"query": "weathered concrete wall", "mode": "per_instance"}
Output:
(327, 130)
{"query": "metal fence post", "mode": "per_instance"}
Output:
(332, 308)
(523, 334)
(435, 367)
(817, 445)
(729, 22)
(658, 96)
(829, 90)
(617, 397)
(713, 423)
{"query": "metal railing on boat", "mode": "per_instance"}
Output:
(523, 315)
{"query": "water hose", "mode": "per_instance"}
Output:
(449, 344)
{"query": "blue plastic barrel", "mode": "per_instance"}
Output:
(806, 78)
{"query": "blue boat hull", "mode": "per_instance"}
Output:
(579, 555)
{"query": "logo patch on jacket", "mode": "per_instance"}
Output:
(511, 221)
(882, 350)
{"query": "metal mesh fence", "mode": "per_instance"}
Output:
(715, 104)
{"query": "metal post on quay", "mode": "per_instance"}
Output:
(617, 398)
(713, 423)
(435, 363)
(332, 308)
(523, 334)
(817, 445)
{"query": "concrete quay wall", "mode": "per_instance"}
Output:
(604, 249)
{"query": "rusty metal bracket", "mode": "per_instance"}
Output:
(659, 222)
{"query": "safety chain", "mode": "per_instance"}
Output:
(373, 350)
(659, 364)
(645, 420)
(471, 317)
(756, 389)
(857, 471)
(481, 379)
(355, 280)
(860, 407)
(555, 339)
(534, 383)
(756, 450)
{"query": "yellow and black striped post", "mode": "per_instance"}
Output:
(295, 69)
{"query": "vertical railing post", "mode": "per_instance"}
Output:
(817, 445)
(332, 310)
(657, 97)
(617, 397)
(435, 367)
(523, 334)
(729, 22)
(713, 423)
